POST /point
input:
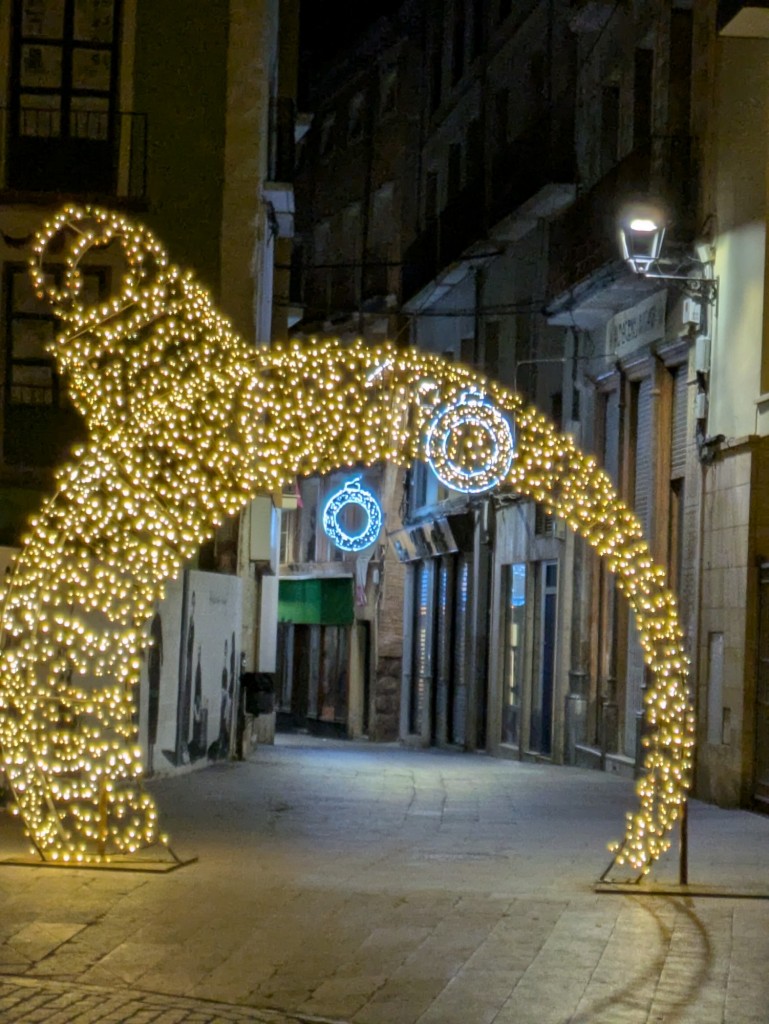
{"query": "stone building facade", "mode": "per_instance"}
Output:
(104, 103)
(534, 124)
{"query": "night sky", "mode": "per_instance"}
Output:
(328, 26)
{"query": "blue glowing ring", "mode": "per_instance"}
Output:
(475, 411)
(352, 494)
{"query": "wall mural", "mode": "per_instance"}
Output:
(186, 422)
(188, 685)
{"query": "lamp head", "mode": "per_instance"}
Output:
(641, 233)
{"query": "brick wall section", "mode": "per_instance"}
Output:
(385, 716)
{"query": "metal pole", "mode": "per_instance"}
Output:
(683, 852)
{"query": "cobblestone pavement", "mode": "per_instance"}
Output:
(376, 885)
(26, 1000)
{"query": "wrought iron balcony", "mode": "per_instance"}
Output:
(85, 153)
(541, 156)
(444, 239)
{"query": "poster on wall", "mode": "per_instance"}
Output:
(191, 671)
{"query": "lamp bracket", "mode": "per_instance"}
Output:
(704, 288)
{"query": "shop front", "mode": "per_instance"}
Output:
(316, 617)
(443, 686)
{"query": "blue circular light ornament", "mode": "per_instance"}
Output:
(352, 494)
(470, 444)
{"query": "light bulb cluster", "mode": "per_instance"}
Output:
(187, 422)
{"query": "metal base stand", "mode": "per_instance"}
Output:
(638, 887)
(118, 862)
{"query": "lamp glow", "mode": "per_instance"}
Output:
(642, 224)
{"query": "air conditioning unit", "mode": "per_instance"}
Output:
(702, 354)
(691, 313)
(701, 406)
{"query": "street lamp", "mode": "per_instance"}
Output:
(641, 231)
(641, 234)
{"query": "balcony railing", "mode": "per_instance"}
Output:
(584, 237)
(88, 152)
(542, 155)
(444, 239)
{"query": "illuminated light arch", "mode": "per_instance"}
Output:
(352, 494)
(186, 422)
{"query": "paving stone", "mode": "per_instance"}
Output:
(385, 886)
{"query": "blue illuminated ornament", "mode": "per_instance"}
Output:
(352, 494)
(470, 444)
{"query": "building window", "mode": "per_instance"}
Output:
(355, 123)
(380, 240)
(501, 116)
(477, 34)
(474, 152)
(609, 127)
(556, 409)
(63, 88)
(515, 622)
(327, 134)
(288, 524)
(431, 196)
(491, 349)
(545, 523)
(436, 72)
(454, 177)
(468, 351)
(458, 42)
(642, 96)
(538, 78)
(39, 422)
(388, 90)
(318, 279)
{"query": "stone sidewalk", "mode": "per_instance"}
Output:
(374, 885)
(27, 1000)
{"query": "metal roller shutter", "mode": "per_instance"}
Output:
(444, 653)
(459, 717)
(423, 646)
(643, 453)
(612, 435)
(678, 431)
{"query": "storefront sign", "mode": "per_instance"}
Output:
(640, 325)
(428, 540)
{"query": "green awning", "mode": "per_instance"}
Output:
(316, 602)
